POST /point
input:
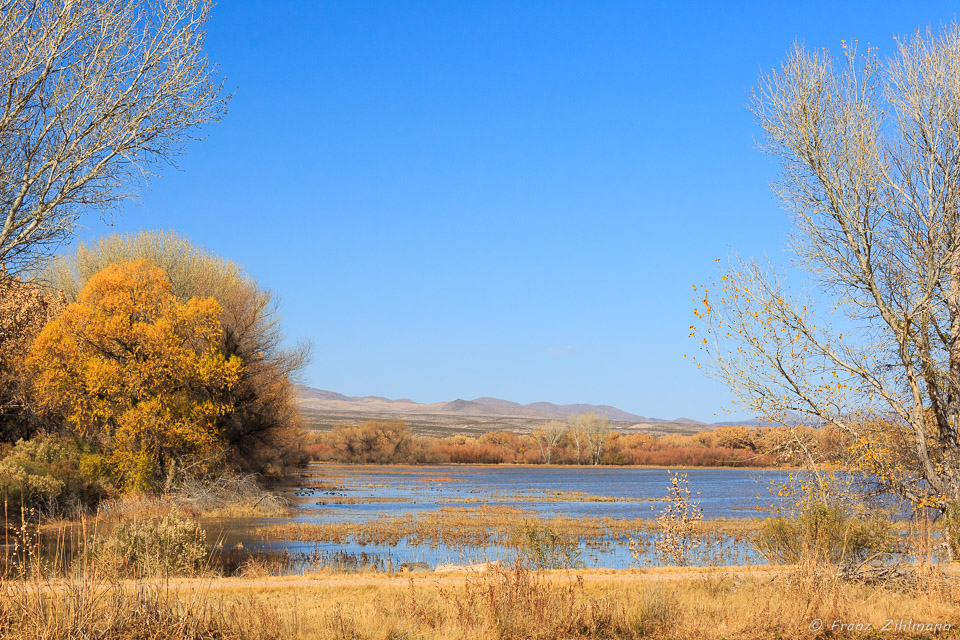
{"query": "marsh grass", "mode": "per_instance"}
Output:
(508, 603)
(348, 597)
(335, 498)
(543, 548)
(71, 585)
(484, 526)
(86, 607)
(517, 602)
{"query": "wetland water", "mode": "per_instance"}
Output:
(325, 496)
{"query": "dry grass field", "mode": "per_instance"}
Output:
(512, 602)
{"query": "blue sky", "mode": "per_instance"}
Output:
(459, 199)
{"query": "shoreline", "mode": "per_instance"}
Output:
(521, 465)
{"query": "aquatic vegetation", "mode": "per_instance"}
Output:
(544, 548)
(551, 542)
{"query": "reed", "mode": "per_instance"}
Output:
(483, 525)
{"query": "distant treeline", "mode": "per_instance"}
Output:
(584, 439)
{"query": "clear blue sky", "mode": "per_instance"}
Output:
(458, 199)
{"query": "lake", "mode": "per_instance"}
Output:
(330, 494)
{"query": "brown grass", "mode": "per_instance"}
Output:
(516, 603)
(87, 608)
(511, 603)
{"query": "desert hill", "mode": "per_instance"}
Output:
(324, 409)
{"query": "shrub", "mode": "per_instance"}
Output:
(473, 453)
(542, 547)
(24, 310)
(143, 548)
(680, 524)
(50, 475)
(227, 492)
(134, 369)
(824, 533)
(733, 437)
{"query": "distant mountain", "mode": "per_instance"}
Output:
(687, 421)
(309, 393)
(322, 400)
(497, 402)
(605, 410)
(325, 409)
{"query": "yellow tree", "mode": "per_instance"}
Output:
(138, 372)
(869, 151)
(263, 429)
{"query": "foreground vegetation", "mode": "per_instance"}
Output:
(145, 568)
(507, 603)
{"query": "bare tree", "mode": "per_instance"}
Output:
(547, 437)
(594, 430)
(576, 435)
(93, 94)
(870, 157)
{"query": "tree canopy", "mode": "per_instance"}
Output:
(263, 428)
(24, 310)
(139, 372)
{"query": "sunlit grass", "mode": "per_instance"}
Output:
(513, 603)
(480, 527)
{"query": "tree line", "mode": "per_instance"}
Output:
(585, 439)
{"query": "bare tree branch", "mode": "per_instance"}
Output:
(870, 158)
(93, 95)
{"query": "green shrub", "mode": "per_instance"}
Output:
(50, 475)
(543, 548)
(825, 533)
(144, 548)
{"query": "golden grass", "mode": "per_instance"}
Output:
(109, 610)
(751, 604)
(480, 526)
(516, 603)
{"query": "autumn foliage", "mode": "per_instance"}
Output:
(385, 442)
(137, 371)
(24, 310)
(263, 427)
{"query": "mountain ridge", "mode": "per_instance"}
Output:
(332, 401)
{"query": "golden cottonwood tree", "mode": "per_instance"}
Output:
(869, 151)
(264, 426)
(138, 372)
(593, 429)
